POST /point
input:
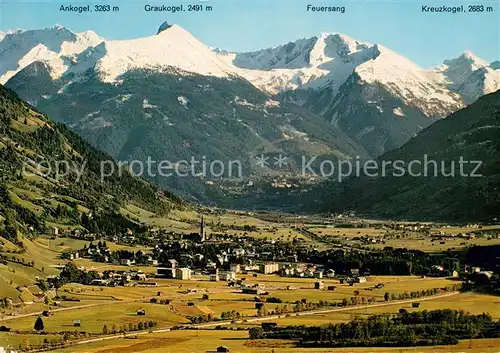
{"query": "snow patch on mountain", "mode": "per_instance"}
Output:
(398, 111)
(329, 60)
(147, 105)
(183, 101)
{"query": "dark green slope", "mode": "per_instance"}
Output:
(31, 197)
(472, 133)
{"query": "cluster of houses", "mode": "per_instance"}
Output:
(353, 280)
(256, 289)
(100, 252)
(114, 278)
(305, 271)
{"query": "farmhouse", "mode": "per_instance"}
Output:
(229, 276)
(360, 279)
(319, 285)
(183, 273)
(127, 262)
(255, 289)
(221, 349)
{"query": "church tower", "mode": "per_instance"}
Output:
(202, 229)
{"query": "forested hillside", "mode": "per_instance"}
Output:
(33, 149)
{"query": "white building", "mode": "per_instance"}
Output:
(183, 273)
(236, 268)
(269, 268)
(229, 276)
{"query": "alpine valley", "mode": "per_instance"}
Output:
(274, 254)
(170, 97)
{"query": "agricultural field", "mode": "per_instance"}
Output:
(378, 238)
(96, 306)
(469, 302)
(237, 341)
(94, 318)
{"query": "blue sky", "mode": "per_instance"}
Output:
(243, 25)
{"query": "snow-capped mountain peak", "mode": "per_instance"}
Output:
(400, 75)
(172, 47)
(330, 46)
(20, 48)
(467, 60)
(469, 75)
(325, 61)
(64, 51)
(305, 63)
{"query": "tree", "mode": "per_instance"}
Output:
(387, 296)
(256, 333)
(39, 326)
(105, 329)
(43, 285)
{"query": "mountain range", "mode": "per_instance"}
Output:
(169, 96)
